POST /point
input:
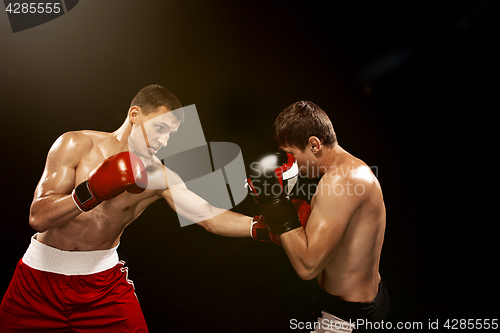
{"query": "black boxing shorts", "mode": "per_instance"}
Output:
(351, 312)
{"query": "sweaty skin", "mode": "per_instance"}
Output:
(59, 222)
(342, 242)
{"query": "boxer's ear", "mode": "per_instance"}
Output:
(133, 113)
(315, 144)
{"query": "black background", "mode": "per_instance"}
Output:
(410, 90)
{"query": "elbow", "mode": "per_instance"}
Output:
(209, 221)
(307, 271)
(207, 225)
(307, 275)
(37, 223)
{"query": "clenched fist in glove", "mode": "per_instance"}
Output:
(276, 176)
(117, 174)
(259, 227)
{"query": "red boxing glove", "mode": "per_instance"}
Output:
(303, 210)
(117, 174)
(260, 231)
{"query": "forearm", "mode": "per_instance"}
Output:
(228, 223)
(303, 260)
(219, 221)
(52, 211)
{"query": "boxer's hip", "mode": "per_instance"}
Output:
(46, 258)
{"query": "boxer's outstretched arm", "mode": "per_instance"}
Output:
(229, 224)
(53, 205)
(216, 220)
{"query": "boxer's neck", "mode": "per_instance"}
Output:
(331, 157)
(123, 132)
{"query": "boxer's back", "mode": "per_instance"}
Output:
(352, 272)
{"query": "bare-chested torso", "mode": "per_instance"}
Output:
(101, 227)
(352, 272)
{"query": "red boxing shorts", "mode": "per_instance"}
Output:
(70, 291)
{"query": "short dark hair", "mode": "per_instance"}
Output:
(153, 96)
(301, 120)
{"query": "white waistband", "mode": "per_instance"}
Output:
(49, 259)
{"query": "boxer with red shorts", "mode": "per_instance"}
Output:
(89, 292)
(94, 185)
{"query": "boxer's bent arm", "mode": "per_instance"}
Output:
(53, 205)
(215, 220)
(311, 249)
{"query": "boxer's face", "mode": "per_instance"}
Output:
(151, 132)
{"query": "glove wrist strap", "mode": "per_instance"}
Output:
(84, 198)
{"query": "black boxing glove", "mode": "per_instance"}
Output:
(275, 175)
(260, 231)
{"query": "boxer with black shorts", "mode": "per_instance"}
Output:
(93, 186)
(341, 244)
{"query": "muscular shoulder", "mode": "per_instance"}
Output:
(68, 145)
(352, 178)
(72, 141)
(79, 142)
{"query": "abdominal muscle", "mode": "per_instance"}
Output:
(99, 228)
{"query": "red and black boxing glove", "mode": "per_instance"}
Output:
(271, 184)
(117, 174)
(260, 231)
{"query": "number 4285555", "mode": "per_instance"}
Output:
(486, 324)
(32, 8)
